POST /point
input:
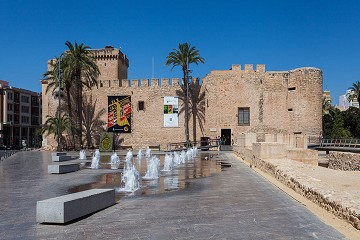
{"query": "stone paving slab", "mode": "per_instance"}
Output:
(234, 204)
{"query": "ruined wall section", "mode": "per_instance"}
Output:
(279, 101)
(305, 97)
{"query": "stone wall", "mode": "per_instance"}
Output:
(344, 161)
(279, 102)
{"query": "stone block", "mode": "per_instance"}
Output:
(303, 155)
(72, 206)
(269, 150)
(58, 154)
(63, 168)
(60, 158)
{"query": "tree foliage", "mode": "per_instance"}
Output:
(78, 70)
(58, 126)
(354, 92)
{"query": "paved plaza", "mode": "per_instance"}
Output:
(236, 203)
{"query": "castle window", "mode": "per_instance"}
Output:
(290, 109)
(141, 106)
(292, 89)
(244, 116)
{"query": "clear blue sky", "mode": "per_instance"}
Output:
(282, 34)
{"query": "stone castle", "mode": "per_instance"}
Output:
(237, 101)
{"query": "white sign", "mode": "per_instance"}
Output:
(171, 110)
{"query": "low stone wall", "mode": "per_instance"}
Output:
(309, 192)
(344, 161)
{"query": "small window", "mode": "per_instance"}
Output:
(141, 106)
(292, 89)
(290, 109)
(244, 116)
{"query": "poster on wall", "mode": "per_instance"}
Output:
(119, 114)
(171, 110)
(106, 141)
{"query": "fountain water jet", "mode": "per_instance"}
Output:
(115, 161)
(148, 152)
(82, 154)
(168, 162)
(95, 160)
(139, 156)
(153, 168)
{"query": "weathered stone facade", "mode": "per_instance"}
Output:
(279, 102)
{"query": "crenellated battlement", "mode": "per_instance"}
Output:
(138, 83)
(248, 68)
(110, 53)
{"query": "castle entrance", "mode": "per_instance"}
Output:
(226, 135)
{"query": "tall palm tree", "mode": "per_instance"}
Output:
(326, 105)
(197, 105)
(354, 92)
(184, 56)
(81, 69)
(57, 126)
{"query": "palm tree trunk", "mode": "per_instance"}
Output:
(186, 106)
(194, 123)
(79, 114)
(70, 111)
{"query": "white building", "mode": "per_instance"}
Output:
(344, 103)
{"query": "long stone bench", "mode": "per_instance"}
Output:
(63, 168)
(61, 158)
(58, 154)
(72, 206)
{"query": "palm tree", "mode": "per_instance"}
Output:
(197, 105)
(81, 70)
(93, 124)
(184, 56)
(354, 92)
(326, 105)
(57, 126)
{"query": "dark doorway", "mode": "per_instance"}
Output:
(226, 136)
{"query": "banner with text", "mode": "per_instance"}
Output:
(171, 110)
(119, 114)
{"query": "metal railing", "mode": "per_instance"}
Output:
(210, 143)
(345, 143)
(7, 153)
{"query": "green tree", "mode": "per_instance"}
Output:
(327, 124)
(338, 130)
(354, 92)
(183, 57)
(80, 70)
(352, 121)
(197, 105)
(57, 126)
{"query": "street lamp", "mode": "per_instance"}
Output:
(59, 96)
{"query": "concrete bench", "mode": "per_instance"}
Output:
(58, 154)
(63, 168)
(72, 206)
(61, 158)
